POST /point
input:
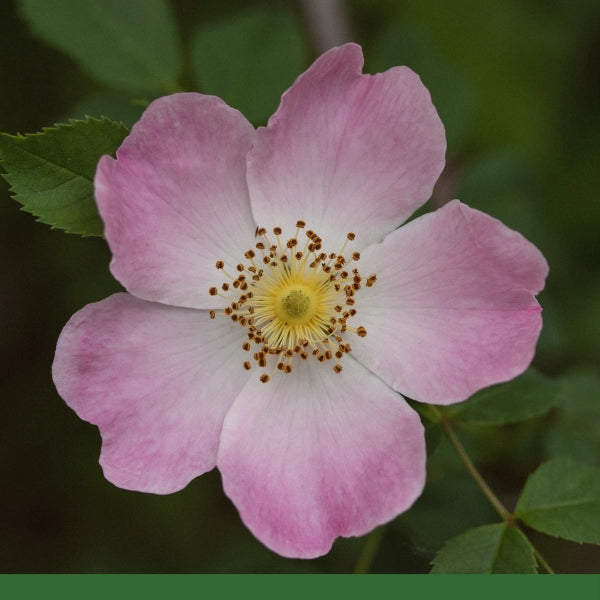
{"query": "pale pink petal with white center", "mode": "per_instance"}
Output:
(346, 151)
(314, 455)
(453, 309)
(175, 201)
(157, 380)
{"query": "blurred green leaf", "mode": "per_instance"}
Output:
(452, 94)
(513, 52)
(116, 105)
(495, 548)
(463, 505)
(575, 432)
(433, 437)
(249, 60)
(525, 397)
(448, 486)
(127, 45)
(505, 186)
(51, 173)
(562, 498)
(581, 308)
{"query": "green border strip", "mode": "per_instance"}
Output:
(490, 587)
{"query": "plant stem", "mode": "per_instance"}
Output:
(507, 517)
(369, 551)
(541, 560)
(494, 501)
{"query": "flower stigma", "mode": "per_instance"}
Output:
(293, 302)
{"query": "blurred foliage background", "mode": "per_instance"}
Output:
(517, 85)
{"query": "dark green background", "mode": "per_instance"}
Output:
(517, 85)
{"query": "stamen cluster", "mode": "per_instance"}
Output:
(293, 302)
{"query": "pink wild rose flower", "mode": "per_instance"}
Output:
(274, 311)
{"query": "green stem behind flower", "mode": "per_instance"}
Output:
(369, 551)
(507, 517)
(494, 501)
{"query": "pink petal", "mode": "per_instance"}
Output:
(313, 455)
(175, 201)
(345, 149)
(453, 308)
(157, 380)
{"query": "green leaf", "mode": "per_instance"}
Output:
(127, 45)
(116, 105)
(525, 397)
(463, 507)
(513, 53)
(51, 173)
(562, 498)
(505, 185)
(452, 93)
(249, 60)
(575, 431)
(495, 548)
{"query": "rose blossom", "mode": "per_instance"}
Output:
(274, 311)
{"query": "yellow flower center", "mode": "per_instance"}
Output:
(293, 302)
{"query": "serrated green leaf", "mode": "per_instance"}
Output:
(495, 548)
(525, 397)
(249, 60)
(51, 173)
(130, 45)
(562, 498)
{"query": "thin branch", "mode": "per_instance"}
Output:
(542, 561)
(369, 551)
(507, 517)
(494, 501)
(327, 22)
